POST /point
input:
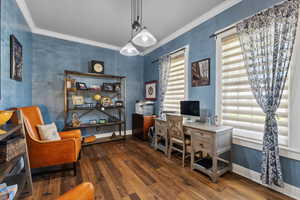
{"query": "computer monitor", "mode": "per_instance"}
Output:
(190, 108)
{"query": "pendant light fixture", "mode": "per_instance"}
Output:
(143, 37)
(129, 50)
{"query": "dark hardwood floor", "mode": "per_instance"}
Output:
(131, 170)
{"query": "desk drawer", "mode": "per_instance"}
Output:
(205, 136)
(201, 144)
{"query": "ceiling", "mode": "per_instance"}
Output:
(108, 21)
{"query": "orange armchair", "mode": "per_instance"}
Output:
(49, 153)
(84, 191)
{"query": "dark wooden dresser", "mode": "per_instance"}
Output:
(141, 125)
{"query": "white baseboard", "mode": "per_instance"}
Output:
(109, 134)
(288, 189)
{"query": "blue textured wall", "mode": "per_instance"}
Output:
(200, 47)
(14, 93)
(52, 56)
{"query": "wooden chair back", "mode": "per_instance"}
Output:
(175, 126)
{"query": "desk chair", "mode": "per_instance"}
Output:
(178, 142)
(161, 135)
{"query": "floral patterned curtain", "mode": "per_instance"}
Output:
(267, 40)
(164, 63)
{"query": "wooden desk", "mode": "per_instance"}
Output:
(212, 140)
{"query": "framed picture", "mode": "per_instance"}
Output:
(150, 90)
(117, 87)
(77, 100)
(201, 73)
(16, 59)
(108, 87)
(81, 86)
(71, 83)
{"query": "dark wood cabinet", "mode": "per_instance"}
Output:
(141, 125)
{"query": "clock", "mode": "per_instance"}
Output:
(97, 67)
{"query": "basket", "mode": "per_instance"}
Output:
(11, 148)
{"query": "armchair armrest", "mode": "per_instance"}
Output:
(49, 153)
(84, 191)
(70, 134)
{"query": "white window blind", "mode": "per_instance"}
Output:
(176, 82)
(238, 105)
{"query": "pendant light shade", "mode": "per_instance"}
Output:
(129, 50)
(144, 38)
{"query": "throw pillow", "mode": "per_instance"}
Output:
(48, 132)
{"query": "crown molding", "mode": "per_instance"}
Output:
(210, 14)
(213, 12)
(34, 29)
(26, 13)
(74, 39)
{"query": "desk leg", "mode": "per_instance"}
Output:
(214, 176)
(192, 159)
(166, 146)
(230, 160)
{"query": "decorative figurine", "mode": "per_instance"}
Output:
(75, 120)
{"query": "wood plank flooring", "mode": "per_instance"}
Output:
(132, 170)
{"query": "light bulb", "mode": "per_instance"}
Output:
(144, 38)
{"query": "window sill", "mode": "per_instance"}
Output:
(256, 144)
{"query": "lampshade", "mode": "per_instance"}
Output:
(129, 50)
(144, 38)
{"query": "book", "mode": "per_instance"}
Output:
(8, 192)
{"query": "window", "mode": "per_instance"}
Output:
(238, 107)
(176, 88)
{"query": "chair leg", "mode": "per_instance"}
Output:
(166, 146)
(79, 156)
(183, 155)
(75, 168)
(155, 142)
(192, 159)
(170, 149)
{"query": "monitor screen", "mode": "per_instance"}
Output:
(191, 108)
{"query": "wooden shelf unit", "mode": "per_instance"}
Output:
(15, 129)
(120, 117)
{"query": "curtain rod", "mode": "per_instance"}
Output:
(172, 52)
(214, 35)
